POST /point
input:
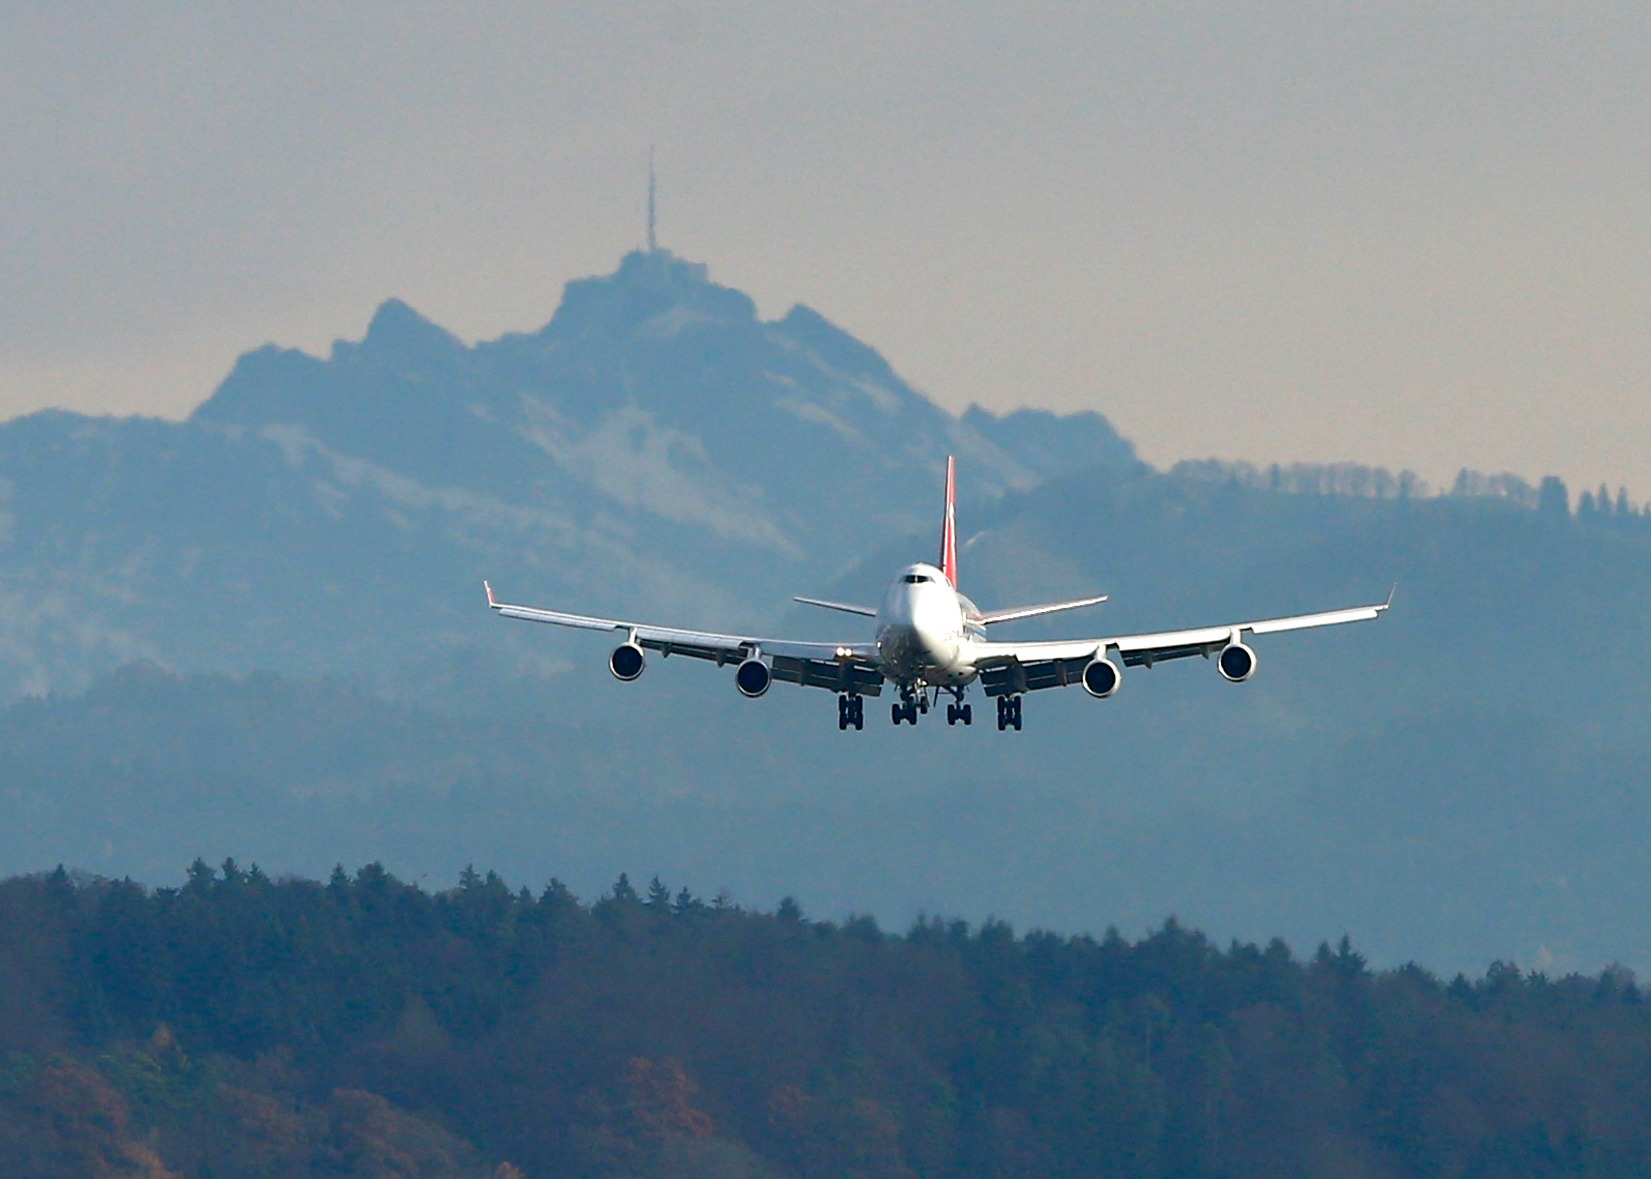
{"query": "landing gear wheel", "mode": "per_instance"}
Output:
(897, 713)
(1008, 713)
(951, 714)
(966, 713)
(851, 711)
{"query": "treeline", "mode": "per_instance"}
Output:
(241, 1026)
(1358, 481)
(1350, 479)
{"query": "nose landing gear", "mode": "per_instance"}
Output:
(916, 698)
(913, 700)
(1008, 713)
(851, 710)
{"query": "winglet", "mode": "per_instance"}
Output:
(1390, 594)
(948, 531)
(489, 590)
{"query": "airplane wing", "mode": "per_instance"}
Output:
(1009, 668)
(841, 667)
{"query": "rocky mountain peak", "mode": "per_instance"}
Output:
(647, 286)
(398, 331)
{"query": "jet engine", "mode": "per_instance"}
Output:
(752, 678)
(1237, 662)
(626, 662)
(1101, 678)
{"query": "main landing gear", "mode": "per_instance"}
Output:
(914, 701)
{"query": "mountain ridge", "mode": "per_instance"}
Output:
(1455, 783)
(652, 435)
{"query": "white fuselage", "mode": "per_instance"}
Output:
(926, 630)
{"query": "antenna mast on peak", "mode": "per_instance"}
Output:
(653, 240)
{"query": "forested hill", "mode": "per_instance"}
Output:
(242, 1026)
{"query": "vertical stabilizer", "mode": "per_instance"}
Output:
(948, 533)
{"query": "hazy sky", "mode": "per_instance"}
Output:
(1407, 234)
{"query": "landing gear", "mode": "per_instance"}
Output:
(851, 710)
(916, 698)
(904, 711)
(1008, 713)
(912, 702)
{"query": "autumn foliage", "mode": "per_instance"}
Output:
(243, 1026)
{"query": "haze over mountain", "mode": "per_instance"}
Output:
(1459, 782)
(655, 448)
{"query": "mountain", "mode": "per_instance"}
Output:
(291, 579)
(657, 448)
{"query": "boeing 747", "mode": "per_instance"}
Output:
(930, 639)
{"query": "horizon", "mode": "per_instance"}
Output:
(793, 907)
(1400, 238)
(1492, 483)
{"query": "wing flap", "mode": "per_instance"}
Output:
(837, 675)
(717, 654)
(1013, 676)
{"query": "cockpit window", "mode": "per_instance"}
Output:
(917, 578)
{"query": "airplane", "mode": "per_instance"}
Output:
(930, 639)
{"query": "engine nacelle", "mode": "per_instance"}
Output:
(752, 678)
(1101, 678)
(626, 662)
(1237, 662)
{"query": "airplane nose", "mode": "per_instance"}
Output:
(933, 635)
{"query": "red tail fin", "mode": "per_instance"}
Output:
(948, 533)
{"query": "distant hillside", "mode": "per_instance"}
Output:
(1462, 781)
(656, 447)
(294, 577)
